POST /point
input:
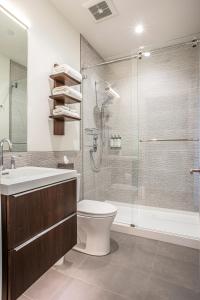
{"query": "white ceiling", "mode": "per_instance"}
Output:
(13, 40)
(163, 20)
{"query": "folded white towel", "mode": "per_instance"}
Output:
(69, 91)
(61, 107)
(64, 112)
(69, 70)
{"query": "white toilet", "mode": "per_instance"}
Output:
(94, 220)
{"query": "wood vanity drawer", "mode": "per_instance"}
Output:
(28, 262)
(32, 212)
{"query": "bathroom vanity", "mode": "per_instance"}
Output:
(39, 224)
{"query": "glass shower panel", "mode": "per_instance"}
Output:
(168, 83)
(110, 136)
(123, 122)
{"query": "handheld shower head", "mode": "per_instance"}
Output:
(111, 93)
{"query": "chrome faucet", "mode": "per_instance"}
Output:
(2, 142)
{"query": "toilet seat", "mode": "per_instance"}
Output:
(95, 209)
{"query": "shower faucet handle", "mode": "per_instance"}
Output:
(194, 171)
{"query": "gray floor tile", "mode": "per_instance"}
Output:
(79, 290)
(73, 259)
(130, 241)
(178, 272)
(56, 286)
(48, 286)
(163, 290)
(179, 253)
(115, 278)
(23, 297)
(134, 254)
(136, 269)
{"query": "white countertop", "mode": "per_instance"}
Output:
(28, 178)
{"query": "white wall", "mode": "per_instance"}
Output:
(50, 39)
(4, 96)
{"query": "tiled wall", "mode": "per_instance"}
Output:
(169, 109)
(43, 159)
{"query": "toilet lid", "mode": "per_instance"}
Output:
(92, 207)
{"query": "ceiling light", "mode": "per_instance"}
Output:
(139, 29)
(100, 10)
(147, 54)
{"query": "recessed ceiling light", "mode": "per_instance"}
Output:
(147, 54)
(139, 29)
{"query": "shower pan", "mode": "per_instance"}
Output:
(157, 115)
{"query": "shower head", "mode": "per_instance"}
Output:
(111, 93)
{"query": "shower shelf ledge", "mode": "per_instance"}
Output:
(64, 98)
(115, 148)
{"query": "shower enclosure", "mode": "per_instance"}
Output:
(148, 176)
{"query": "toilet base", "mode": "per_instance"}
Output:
(94, 235)
(83, 249)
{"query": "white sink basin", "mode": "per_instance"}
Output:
(28, 178)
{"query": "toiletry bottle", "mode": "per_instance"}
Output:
(120, 141)
(111, 141)
(65, 159)
(115, 141)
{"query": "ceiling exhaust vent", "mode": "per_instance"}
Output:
(100, 10)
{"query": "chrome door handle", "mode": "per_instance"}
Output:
(194, 171)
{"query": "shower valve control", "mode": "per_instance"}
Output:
(95, 143)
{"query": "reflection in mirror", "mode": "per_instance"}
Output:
(13, 83)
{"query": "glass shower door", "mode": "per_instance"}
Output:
(168, 83)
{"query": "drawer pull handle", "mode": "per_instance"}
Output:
(42, 233)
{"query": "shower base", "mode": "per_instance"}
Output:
(168, 225)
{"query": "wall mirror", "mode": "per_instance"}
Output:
(13, 82)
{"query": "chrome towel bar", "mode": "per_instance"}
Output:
(169, 140)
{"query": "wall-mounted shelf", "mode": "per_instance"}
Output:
(61, 79)
(64, 79)
(65, 118)
(64, 98)
(59, 123)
